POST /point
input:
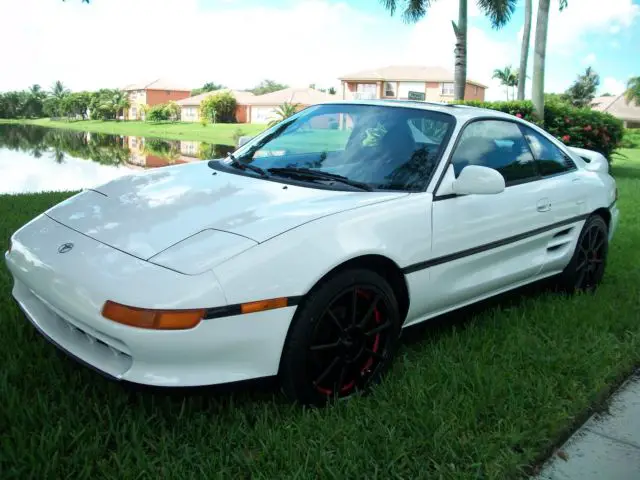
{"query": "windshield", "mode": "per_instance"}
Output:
(381, 147)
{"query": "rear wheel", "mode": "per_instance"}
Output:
(342, 338)
(587, 266)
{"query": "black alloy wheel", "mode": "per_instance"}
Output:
(342, 339)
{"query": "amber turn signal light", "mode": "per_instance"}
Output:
(152, 319)
(262, 305)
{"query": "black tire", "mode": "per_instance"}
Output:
(330, 352)
(586, 268)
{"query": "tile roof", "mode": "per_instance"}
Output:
(618, 107)
(242, 97)
(157, 84)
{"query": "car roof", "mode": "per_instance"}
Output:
(462, 112)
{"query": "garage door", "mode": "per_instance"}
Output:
(262, 114)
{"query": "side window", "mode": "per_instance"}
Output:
(495, 144)
(551, 160)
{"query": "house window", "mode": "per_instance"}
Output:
(447, 89)
(134, 112)
(168, 92)
(389, 89)
(475, 90)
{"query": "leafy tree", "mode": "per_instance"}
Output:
(524, 49)
(498, 11)
(207, 87)
(157, 113)
(219, 107)
(284, 111)
(584, 88)
(331, 91)
(267, 86)
(51, 107)
(508, 78)
(58, 89)
(633, 90)
(539, 57)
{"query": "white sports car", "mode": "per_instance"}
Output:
(306, 252)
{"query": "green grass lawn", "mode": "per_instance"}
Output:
(482, 393)
(220, 133)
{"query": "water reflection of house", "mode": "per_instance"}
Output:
(143, 156)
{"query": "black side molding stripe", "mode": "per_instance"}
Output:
(231, 310)
(489, 246)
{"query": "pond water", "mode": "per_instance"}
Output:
(37, 159)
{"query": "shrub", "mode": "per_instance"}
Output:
(163, 112)
(576, 127)
(219, 107)
(519, 108)
(584, 128)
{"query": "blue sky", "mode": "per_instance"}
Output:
(298, 42)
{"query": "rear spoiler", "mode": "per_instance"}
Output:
(596, 162)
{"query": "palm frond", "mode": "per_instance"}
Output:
(498, 11)
(415, 10)
(390, 5)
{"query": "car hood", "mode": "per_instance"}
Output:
(147, 213)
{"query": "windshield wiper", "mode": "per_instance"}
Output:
(310, 174)
(244, 166)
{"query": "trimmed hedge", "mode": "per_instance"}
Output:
(576, 127)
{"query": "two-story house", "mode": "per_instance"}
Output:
(432, 84)
(150, 94)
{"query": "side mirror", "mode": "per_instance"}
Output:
(475, 179)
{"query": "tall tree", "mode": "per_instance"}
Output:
(58, 89)
(508, 77)
(524, 49)
(267, 86)
(633, 90)
(207, 87)
(498, 11)
(539, 56)
(584, 88)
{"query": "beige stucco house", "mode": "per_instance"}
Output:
(256, 108)
(396, 81)
(617, 106)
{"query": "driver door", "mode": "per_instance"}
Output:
(482, 243)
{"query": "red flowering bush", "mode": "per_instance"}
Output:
(576, 127)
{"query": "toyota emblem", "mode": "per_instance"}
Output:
(65, 247)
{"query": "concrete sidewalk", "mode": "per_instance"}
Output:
(607, 446)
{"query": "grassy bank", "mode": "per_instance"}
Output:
(220, 133)
(479, 394)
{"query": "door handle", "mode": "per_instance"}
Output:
(544, 205)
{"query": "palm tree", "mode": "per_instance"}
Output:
(284, 111)
(539, 56)
(524, 49)
(120, 101)
(633, 90)
(498, 11)
(508, 77)
(58, 89)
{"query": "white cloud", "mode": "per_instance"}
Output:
(612, 85)
(570, 28)
(590, 59)
(614, 29)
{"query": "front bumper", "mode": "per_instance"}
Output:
(63, 294)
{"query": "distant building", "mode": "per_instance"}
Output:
(256, 108)
(150, 94)
(190, 107)
(395, 82)
(262, 108)
(617, 106)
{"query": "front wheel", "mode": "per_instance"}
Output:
(586, 268)
(342, 338)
